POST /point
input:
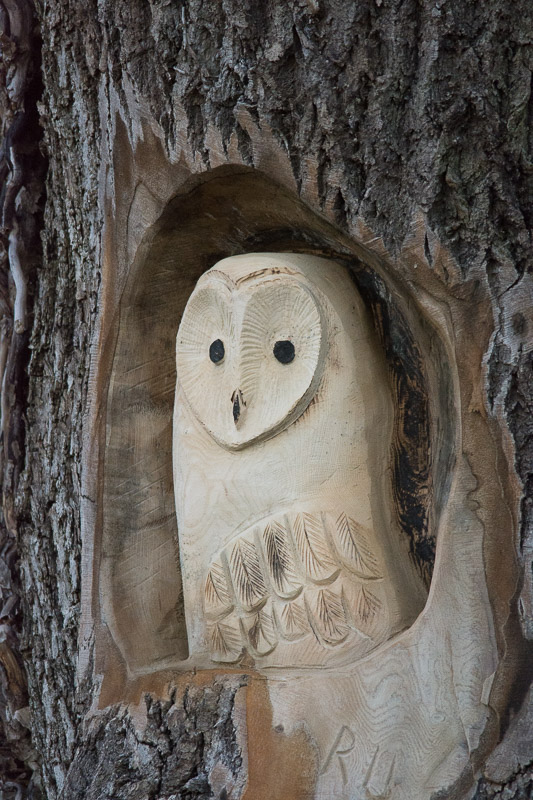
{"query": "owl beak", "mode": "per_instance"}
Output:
(238, 403)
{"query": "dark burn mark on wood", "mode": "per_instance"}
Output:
(412, 451)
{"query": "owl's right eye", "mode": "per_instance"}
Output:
(216, 351)
(284, 351)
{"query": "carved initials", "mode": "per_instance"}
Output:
(344, 743)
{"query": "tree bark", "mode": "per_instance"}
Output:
(21, 201)
(386, 118)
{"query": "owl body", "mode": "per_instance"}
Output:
(282, 432)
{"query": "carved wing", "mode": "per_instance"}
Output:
(297, 576)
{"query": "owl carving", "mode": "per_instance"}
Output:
(283, 423)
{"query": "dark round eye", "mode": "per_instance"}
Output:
(216, 351)
(284, 351)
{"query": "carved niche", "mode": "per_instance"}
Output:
(314, 504)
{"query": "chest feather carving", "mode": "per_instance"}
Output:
(301, 580)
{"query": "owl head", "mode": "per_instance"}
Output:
(251, 347)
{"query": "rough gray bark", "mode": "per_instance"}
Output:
(171, 759)
(21, 198)
(401, 108)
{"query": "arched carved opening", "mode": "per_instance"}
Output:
(227, 212)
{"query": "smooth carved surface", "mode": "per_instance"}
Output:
(283, 422)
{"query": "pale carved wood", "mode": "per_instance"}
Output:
(282, 511)
(290, 562)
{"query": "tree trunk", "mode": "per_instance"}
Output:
(404, 126)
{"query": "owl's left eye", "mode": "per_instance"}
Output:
(284, 351)
(216, 351)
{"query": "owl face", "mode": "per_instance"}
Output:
(250, 349)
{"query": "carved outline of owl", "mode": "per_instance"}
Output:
(251, 352)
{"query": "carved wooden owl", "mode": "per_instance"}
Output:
(282, 431)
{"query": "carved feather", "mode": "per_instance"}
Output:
(259, 631)
(218, 602)
(312, 547)
(248, 581)
(367, 604)
(353, 547)
(288, 583)
(280, 560)
(225, 640)
(292, 620)
(326, 615)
